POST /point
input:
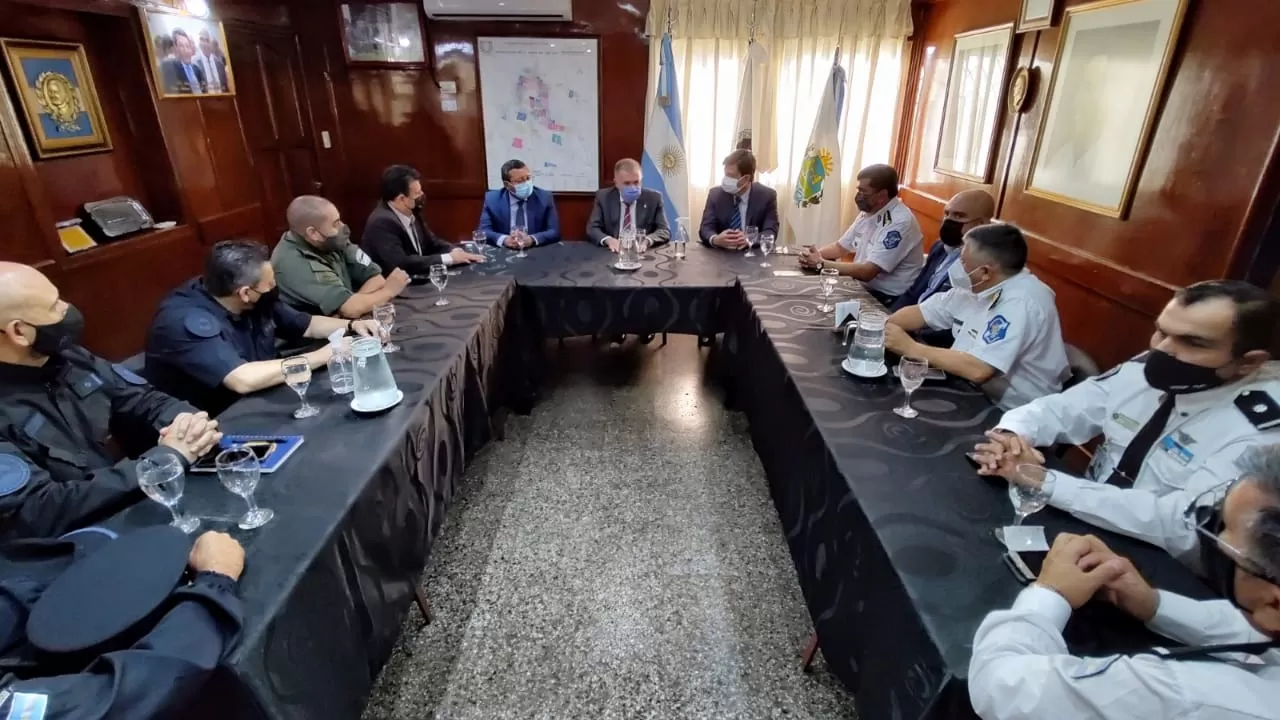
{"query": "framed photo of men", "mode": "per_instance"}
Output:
(188, 55)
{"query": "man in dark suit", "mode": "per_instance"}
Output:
(738, 203)
(213, 64)
(180, 74)
(627, 205)
(396, 236)
(518, 202)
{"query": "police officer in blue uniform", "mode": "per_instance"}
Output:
(65, 659)
(214, 338)
(59, 404)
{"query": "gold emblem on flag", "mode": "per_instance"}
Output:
(814, 171)
(671, 161)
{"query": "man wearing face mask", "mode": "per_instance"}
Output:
(59, 405)
(1229, 667)
(396, 236)
(740, 202)
(626, 206)
(1174, 420)
(1005, 321)
(886, 240)
(214, 338)
(965, 211)
(519, 215)
(320, 272)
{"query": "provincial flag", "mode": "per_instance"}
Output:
(664, 165)
(814, 215)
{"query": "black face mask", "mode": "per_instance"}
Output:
(1166, 372)
(267, 300)
(863, 202)
(55, 338)
(338, 241)
(951, 233)
(418, 202)
(1219, 568)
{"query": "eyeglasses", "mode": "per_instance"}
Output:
(1204, 515)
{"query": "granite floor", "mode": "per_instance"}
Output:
(617, 556)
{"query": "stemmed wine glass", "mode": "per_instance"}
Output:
(385, 316)
(911, 371)
(440, 278)
(521, 232)
(239, 470)
(767, 242)
(297, 374)
(753, 236)
(828, 278)
(1029, 490)
(163, 480)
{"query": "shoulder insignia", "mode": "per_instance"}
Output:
(995, 298)
(362, 257)
(1260, 408)
(28, 706)
(996, 330)
(1093, 666)
(892, 239)
(128, 375)
(886, 217)
(201, 324)
(15, 473)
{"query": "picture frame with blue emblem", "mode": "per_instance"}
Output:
(59, 101)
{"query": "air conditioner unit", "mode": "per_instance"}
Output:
(504, 10)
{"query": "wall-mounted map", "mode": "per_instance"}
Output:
(541, 105)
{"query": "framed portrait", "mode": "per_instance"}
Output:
(971, 109)
(1103, 98)
(188, 55)
(1036, 14)
(59, 102)
(382, 34)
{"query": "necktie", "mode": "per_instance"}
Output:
(1126, 471)
(413, 236)
(735, 222)
(626, 217)
(521, 220)
(191, 78)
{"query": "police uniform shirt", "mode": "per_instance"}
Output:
(892, 241)
(195, 342)
(1021, 667)
(1014, 328)
(318, 282)
(1198, 451)
(56, 473)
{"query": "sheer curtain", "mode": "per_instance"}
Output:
(709, 39)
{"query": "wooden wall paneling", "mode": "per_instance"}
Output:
(28, 235)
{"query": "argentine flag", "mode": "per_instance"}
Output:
(664, 160)
(814, 215)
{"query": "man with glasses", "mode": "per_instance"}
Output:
(1174, 420)
(1230, 665)
(214, 338)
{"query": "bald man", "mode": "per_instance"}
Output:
(965, 211)
(320, 272)
(57, 403)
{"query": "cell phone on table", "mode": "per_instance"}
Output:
(930, 374)
(260, 448)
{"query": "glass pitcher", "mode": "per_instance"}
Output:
(628, 254)
(375, 386)
(866, 354)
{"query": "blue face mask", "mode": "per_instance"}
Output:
(524, 189)
(630, 193)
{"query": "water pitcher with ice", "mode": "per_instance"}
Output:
(375, 387)
(866, 354)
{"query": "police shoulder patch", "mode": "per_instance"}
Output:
(997, 328)
(892, 239)
(28, 706)
(15, 473)
(128, 375)
(201, 324)
(362, 257)
(1093, 666)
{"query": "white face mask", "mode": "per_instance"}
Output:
(959, 278)
(730, 185)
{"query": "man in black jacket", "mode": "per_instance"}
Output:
(396, 236)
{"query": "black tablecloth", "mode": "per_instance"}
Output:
(328, 581)
(888, 526)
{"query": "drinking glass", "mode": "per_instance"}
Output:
(239, 470)
(911, 371)
(297, 374)
(385, 316)
(482, 245)
(753, 236)
(767, 242)
(162, 479)
(642, 244)
(828, 278)
(680, 242)
(522, 233)
(440, 278)
(1030, 490)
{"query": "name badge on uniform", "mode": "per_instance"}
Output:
(1126, 422)
(1176, 449)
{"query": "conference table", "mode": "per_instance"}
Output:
(888, 527)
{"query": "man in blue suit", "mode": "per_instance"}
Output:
(519, 215)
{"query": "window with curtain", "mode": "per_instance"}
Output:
(801, 38)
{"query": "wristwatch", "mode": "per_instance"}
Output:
(351, 327)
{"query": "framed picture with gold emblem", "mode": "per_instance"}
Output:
(59, 102)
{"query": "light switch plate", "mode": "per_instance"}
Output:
(324, 139)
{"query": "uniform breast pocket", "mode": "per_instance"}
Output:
(97, 411)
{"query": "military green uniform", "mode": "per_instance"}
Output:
(319, 282)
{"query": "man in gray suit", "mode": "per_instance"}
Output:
(626, 205)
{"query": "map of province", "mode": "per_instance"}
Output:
(540, 100)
